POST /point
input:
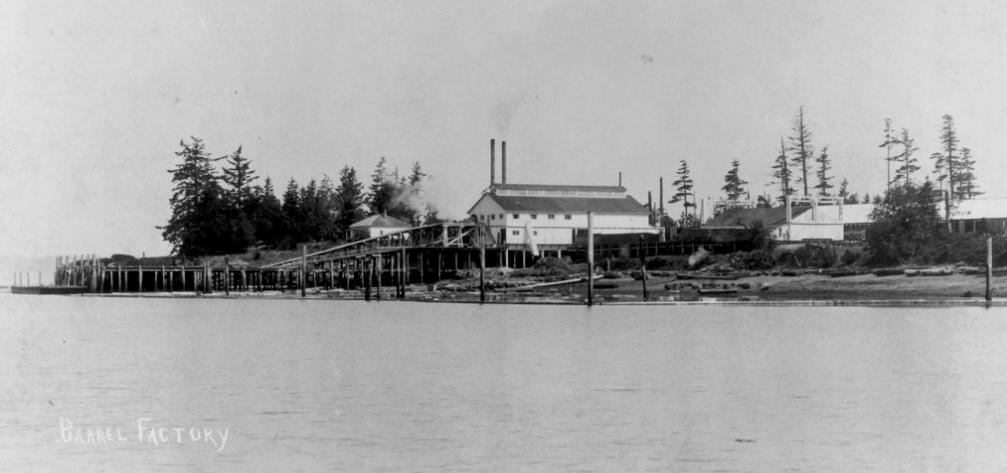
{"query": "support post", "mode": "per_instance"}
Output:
(643, 270)
(590, 259)
(989, 268)
(304, 269)
(482, 273)
(379, 270)
(367, 280)
(227, 276)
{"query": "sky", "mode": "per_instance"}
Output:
(96, 95)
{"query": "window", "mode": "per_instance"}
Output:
(482, 217)
(552, 217)
(534, 232)
(493, 217)
(501, 216)
(534, 216)
(568, 217)
(515, 232)
(517, 215)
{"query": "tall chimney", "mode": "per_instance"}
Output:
(650, 207)
(620, 178)
(493, 161)
(661, 196)
(503, 162)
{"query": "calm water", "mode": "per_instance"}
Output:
(357, 387)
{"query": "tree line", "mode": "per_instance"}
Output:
(226, 210)
(799, 168)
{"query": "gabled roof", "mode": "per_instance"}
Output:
(520, 203)
(382, 221)
(740, 218)
(552, 187)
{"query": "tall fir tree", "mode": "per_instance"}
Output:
(843, 192)
(684, 191)
(350, 200)
(801, 149)
(239, 176)
(890, 140)
(782, 173)
(734, 186)
(905, 160)
(382, 190)
(945, 159)
(824, 166)
(198, 223)
(966, 177)
(267, 215)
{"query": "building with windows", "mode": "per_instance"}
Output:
(551, 215)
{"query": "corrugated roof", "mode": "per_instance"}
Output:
(739, 218)
(520, 203)
(381, 221)
(553, 187)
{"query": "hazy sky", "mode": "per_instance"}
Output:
(95, 96)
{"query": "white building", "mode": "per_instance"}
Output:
(550, 215)
(802, 219)
(377, 225)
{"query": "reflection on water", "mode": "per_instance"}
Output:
(350, 386)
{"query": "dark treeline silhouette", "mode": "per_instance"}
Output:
(219, 211)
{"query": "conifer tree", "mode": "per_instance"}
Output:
(350, 200)
(890, 139)
(824, 166)
(965, 176)
(197, 225)
(684, 190)
(907, 163)
(733, 184)
(801, 149)
(239, 176)
(782, 174)
(945, 159)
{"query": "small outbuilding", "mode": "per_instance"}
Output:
(377, 225)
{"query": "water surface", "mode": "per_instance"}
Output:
(308, 385)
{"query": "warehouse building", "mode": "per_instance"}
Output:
(549, 216)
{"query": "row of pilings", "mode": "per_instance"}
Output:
(372, 274)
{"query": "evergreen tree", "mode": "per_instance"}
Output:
(907, 163)
(824, 166)
(800, 146)
(198, 223)
(292, 215)
(239, 176)
(267, 215)
(684, 190)
(417, 174)
(382, 190)
(349, 200)
(733, 184)
(843, 192)
(965, 176)
(903, 225)
(890, 139)
(945, 159)
(782, 173)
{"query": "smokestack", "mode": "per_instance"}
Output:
(503, 162)
(620, 178)
(650, 207)
(661, 197)
(493, 161)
